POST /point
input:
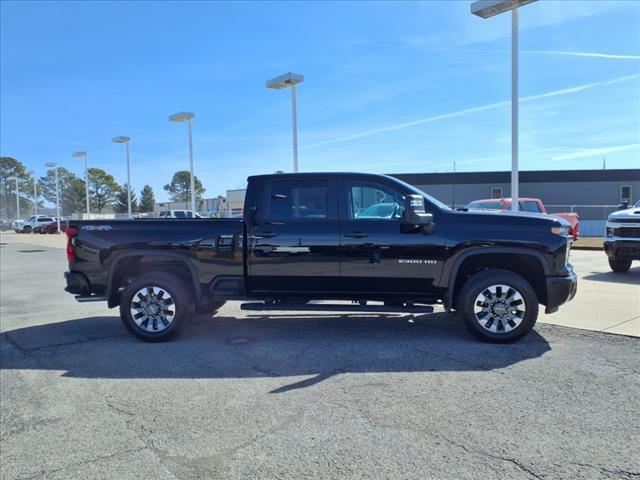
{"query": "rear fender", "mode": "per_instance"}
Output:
(111, 293)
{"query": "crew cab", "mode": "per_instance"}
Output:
(622, 238)
(314, 237)
(534, 205)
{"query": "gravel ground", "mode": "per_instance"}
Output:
(301, 395)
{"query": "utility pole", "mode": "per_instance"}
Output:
(453, 200)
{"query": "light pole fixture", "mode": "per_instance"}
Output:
(86, 176)
(125, 140)
(31, 173)
(284, 81)
(487, 9)
(55, 167)
(187, 117)
(17, 196)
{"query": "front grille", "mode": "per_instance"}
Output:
(627, 232)
(625, 220)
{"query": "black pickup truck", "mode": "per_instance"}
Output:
(370, 239)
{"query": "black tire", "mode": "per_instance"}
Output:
(515, 323)
(26, 229)
(618, 265)
(182, 301)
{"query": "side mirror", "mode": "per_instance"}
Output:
(414, 212)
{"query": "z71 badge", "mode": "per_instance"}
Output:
(417, 260)
(96, 228)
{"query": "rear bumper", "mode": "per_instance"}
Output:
(623, 249)
(77, 283)
(561, 290)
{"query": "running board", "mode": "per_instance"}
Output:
(90, 298)
(321, 307)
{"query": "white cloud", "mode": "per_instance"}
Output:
(467, 111)
(595, 152)
(613, 56)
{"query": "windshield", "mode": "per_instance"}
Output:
(497, 205)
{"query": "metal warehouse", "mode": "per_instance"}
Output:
(593, 194)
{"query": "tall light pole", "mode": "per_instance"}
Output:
(284, 81)
(488, 9)
(55, 166)
(125, 140)
(35, 192)
(17, 196)
(86, 176)
(187, 117)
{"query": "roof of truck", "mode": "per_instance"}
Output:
(319, 174)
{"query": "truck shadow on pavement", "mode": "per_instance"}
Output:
(314, 346)
(632, 277)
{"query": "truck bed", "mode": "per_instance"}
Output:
(212, 247)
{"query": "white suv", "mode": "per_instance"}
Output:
(179, 214)
(33, 223)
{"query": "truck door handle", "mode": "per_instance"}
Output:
(356, 234)
(265, 235)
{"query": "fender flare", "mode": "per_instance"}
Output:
(118, 257)
(474, 251)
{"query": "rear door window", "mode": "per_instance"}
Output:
(298, 200)
(179, 214)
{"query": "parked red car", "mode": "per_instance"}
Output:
(534, 205)
(53, 227)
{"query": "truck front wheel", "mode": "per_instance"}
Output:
(156, 307)
(620, 266)
(498, 306)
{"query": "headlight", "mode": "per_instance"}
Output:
(609, 231)
(562, 231)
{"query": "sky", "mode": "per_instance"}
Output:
(390, 87)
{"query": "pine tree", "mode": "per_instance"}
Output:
(147, 200)
(121, 203)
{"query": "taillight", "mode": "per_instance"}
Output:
(72, 232)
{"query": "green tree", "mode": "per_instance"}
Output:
(103, 189)
(71, 188)
(147, 200)
(180, 187)
(73, 199)
(121, 203)
(10, 167)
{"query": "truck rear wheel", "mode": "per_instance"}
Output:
(155, 307)
(620, 266)
(498, 306)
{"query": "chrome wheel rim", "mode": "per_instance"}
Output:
(500, 308)
(152, 309)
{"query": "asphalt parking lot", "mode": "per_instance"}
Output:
(313, 396)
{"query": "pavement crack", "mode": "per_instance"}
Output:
(46, 473)
(617, 472)
(62, 344)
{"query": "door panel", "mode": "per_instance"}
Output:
(294, 248)
(380, 252)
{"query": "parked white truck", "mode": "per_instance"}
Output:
(31, 224)
(622, 238)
